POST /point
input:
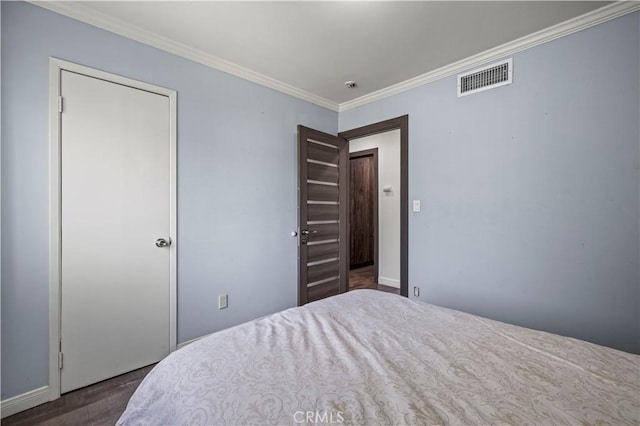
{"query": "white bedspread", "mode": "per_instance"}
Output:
(368, 357)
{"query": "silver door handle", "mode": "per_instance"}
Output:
(306, 232)
(161, 242)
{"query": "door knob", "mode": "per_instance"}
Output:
(161, 242)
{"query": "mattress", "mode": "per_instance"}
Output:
(368, 357)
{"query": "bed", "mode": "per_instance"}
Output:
(368, 357)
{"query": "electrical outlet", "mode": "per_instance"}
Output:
(223, 301)
(416, 291)
(416, 205)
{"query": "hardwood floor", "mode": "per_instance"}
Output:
(363, 278)
(99, 404)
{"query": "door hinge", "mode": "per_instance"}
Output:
(60, 360)
(59, 103)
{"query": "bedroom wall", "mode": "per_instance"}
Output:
(530, 192)
(236, 183)
(388, 144)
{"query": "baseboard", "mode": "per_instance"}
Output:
(390, 282)
(25, 401)
(41, 395)
(188, 342)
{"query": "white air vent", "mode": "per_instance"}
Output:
(485, 78)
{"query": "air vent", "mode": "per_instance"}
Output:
(488, 77)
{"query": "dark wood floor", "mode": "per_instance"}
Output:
(99, 404)
(104, 402)
(363, 278)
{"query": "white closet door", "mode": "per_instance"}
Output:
(114, 205)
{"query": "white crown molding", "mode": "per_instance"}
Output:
(85, 14)
(82, 13)
(25, 401)
(562, 29)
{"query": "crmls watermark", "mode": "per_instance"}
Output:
(331, 417)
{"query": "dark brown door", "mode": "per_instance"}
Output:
(363, 207)
(323, 185)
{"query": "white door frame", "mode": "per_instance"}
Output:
(56, 66)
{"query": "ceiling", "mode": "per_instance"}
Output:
(317, 46)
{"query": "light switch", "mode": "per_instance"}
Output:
(416, 205)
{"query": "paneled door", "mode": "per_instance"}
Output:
(323, 185)
(115, 229)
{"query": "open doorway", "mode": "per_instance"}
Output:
(374, 224)
(390, 269)
(324, 214)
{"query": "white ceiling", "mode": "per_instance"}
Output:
(317, 46)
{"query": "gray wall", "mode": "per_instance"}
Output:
(236, 183)
(530, 192)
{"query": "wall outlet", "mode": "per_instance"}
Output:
(416, 205)
(223, 301)
(416, 291)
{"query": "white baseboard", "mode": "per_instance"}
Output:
(188, 342)
(389, 282)
(33, 398)
(25, 401)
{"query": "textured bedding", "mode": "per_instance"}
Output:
(368, 357)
